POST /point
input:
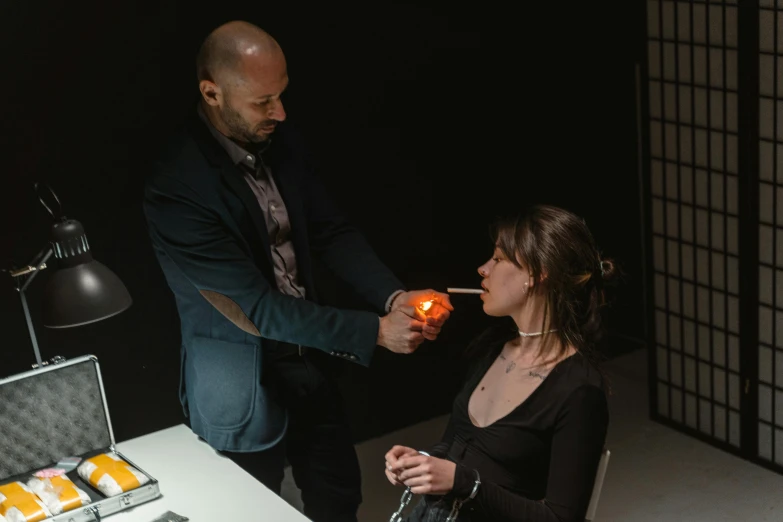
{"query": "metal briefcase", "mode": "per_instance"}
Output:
(60, 411)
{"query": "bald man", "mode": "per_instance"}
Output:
(236, 215)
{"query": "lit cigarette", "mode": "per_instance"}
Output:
(465, 290)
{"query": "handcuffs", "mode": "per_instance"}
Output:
(455, 507)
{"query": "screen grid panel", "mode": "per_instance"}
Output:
(770, 222)
(693, 91)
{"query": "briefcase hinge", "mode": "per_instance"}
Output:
(57, 359)
(94, 511)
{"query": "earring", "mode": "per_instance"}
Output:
(524, 290)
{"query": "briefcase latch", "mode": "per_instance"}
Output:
(94, 511)
(126, 500)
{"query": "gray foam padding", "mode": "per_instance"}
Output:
(50, 415)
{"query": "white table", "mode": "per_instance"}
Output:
(197, 482)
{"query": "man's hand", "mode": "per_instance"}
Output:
(436, 315)
(424, 475)
(401, 330)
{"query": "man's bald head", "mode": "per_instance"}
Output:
(221, 55)
(242, 74)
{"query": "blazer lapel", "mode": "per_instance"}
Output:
(236, 182)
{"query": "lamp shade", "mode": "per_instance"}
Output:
(81, 290)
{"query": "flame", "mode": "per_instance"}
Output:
(426, 305)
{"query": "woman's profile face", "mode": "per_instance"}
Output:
(505, 285)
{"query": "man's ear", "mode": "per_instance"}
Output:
(211, 92)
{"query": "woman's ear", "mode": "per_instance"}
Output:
(541, 279)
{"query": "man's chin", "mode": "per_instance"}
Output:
(258, 139)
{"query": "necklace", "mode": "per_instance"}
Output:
(511, 365)
(535, 334)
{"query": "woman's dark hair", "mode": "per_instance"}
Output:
(558, 250)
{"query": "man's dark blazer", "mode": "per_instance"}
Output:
(210, 238)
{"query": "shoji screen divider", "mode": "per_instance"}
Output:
(711, 95)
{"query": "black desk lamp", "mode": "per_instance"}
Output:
(82, 291)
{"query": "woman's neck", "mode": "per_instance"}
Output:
(528, 351)
(535, 319)
(527, 348)
(533, 316)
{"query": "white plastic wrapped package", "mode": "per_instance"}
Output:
(111, 475)
(59, 494)
(19, 504)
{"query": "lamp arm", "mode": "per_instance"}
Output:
(36, 265)
(30, 328)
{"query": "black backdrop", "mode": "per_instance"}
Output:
(427, 123)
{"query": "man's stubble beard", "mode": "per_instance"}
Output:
(238, 128)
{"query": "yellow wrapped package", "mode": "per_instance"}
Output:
(59, 494)
(111, 475)
(19, 504)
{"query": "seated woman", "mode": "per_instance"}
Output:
(527, 430)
